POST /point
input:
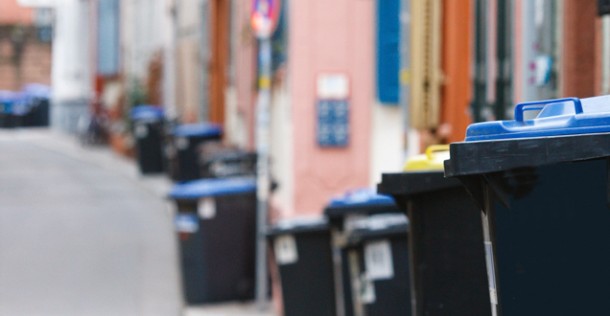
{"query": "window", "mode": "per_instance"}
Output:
(108, 37)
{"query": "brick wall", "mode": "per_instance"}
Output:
(32, 65)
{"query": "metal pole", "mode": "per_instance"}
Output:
(605, 54)
(405, 67)
(263, 105)
(529, 91)
(204, 59)
(169, 68)
(504, 48)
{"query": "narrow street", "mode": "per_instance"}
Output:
(80, 234)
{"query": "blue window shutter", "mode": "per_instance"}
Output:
(108, 37)
(388, 51)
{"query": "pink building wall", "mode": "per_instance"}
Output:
(12, 13)
(330, 36)
(245, 61)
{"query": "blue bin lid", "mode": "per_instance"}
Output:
(7, 97)
(198, 130)
(568, 116)
(9, 101)
(364, 197)
(36, 90)
(146, 112)
(197, 189)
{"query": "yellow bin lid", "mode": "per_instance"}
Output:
(432, 160)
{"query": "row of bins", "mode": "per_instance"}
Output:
(542, 184)
(185, 152)
(512, 220)
(372, 273)
(29, 107)
(509, 222)
(164, 146)
(418, 253)
(214, 197)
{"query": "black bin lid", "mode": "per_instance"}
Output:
(359, 201)
(299, 225)
(378, 226)
(565, 130)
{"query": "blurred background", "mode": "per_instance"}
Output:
(416, 72)
(332, 93)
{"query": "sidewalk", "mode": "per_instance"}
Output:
(234, 309)
(46, 142)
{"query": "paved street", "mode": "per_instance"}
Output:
(81, 233)
(78, 235)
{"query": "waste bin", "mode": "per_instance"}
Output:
(216, 225)
(148, 131)
(37, 98)
(186, 139)
(446, 238)
(7, 105)
(19, 109)
(170, 164)
(342, 211)
(543, 185)
(379, 265)
(219, 161)
(303, 255)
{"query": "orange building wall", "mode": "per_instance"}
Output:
(456, 92)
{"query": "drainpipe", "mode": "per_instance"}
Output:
(479, 102)
(504, 37)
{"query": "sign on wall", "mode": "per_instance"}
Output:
(108, 45)
(332, 107)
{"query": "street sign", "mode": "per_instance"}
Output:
(264, 17)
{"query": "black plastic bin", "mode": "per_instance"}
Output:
(543, 184)
(170, 164)
(220, 162)
(216, 225)
(379, 264)
(38, 98)
(342, 212)
(446, 238)
(148, 130)
(304, 258)
(8, 100)
(185, 142)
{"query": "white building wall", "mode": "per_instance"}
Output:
(71, 73)
(142, 30)
(282, 152)
(387, 153)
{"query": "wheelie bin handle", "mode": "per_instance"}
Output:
(539, 105)
(431, 150)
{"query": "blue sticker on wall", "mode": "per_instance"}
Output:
(333, 123)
